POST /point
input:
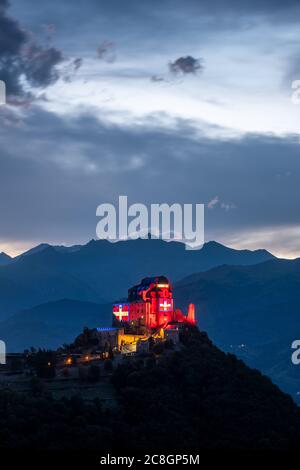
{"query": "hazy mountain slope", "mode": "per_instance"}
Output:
(253, 311)
(5, 259)
(32, 283)
(52, 324)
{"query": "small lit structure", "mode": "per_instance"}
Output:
(128, 342)
(107, 337)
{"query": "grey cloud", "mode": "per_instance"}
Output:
(40, 65)
(69, 71)
(157, 79)
(52, 182)
(21, 56)
(186, 65)
(141, 28)
(77, 63)
(107, 51)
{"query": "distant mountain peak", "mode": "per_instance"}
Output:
(35, 249)
(47, 248)
(214, 245)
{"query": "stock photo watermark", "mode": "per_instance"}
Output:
(180, 222)
(295, 358)
(2, 92)
(2, 353)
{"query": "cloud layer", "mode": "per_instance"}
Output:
(51, 185)
(216, 127)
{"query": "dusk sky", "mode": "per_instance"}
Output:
(163, 101)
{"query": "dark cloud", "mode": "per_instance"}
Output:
(77, 63)
(40, 65)
(107, 51)
(157, 79)
(186, 65)
(69, 71)
(22, 58)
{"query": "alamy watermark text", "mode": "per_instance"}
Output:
(181, 222)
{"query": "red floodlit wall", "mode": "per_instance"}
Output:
(155, 308)
(191, 318)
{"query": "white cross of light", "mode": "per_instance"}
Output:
(120, 314)
(165, 305)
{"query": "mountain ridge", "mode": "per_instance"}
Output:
(101, 271)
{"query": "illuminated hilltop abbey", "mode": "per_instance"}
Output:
(149, 312)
